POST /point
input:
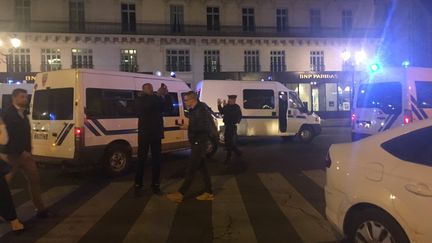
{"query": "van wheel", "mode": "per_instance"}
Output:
(211, 148)
(221, 137)
(306, 134)
(118, 159)
(374, 225)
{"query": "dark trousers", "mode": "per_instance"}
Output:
(197, 162)
(154, 145)
(231, 140)
(7, 208)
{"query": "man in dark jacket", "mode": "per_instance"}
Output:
(232, 115)
(18, 148)
(150, 109)
(199, 130)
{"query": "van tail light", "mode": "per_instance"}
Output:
(78, 132)
(328, 161)
(408, 117)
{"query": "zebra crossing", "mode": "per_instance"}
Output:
(229, 214)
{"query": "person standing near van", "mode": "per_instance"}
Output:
(7, 207)
(232, 116)
(150, 109)
(199, 132)
(18, 148)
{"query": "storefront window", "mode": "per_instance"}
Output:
(344, 97)
(331, 97)
(305, 94)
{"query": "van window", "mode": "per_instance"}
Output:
(294, 101)
(424, 94)
(258, 99)
(53, 104)
(385, 96)
(175, 109)
(110, 104)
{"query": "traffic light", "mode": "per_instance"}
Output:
(374, 68)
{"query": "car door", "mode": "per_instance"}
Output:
(410, 179)
(296, 115)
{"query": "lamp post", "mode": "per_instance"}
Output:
(352, 61)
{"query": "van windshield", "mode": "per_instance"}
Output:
(385, 96)
(53, 104)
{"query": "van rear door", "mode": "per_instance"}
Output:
(53, 123)
(378, 107)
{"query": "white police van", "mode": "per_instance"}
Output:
(6, 93)
(391, 98)
(80, 117)
(265, 112)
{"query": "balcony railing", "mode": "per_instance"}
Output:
(212, 68)
(179, 68)
(187, 30)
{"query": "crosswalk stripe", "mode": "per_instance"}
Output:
(230, 219)
(80, 222)
(26, 211)
(303, 216)
(154, 223)
(317, 176)
(15, 191)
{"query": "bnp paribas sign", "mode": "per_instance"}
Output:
(318, 76)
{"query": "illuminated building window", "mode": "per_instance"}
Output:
(18, 60)
(82, 58)
(50, 59)
(211, 61)
(128, 62)
(317, 61)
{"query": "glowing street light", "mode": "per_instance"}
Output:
(15, 42)
(360, 57)
(346, 55)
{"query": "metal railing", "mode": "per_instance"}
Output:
(187, 30)
(179, 68)
(212, 68)
(129, 68)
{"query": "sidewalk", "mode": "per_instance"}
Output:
(337, 122)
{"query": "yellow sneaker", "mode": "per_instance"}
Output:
(205, 197)
(176, 197)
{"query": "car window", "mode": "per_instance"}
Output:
(414, 147)
(174, 110)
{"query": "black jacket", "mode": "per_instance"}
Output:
(19, 132)
(199, 129)
(232, 114)
(150, 110)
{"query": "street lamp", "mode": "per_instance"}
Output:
(352, 61)
(14, 42)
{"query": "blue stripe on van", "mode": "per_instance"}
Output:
(91, 128)
(125, 131)
(414, 109)
(414, 101)
(63, 137)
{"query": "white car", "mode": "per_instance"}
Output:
(380, 189)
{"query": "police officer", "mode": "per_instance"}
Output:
(232, 116)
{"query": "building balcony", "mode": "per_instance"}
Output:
(185, 30)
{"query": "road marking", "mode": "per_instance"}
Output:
(317, 176)
(80, 222)
(230, 219)
(307, 221)
(15, 191)
(26, 211)
(155, 221)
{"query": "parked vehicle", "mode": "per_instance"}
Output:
(6, 93)
(264, 113)
(82, 117)
(391, 98)
(379, 189)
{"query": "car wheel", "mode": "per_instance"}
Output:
(375, 225)
(118, 159)
(306, 134)
(211, 148)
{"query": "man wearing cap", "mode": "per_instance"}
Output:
(232, 116)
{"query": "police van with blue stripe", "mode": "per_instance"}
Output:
(268, 108)
(83, 117)
(392, 97)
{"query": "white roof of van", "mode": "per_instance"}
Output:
(241, 81)
(118, 73)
